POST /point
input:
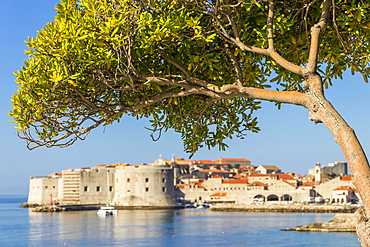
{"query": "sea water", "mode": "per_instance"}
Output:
(185, 227)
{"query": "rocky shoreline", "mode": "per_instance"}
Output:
(340, 223)
(286, 208)
(343, 221)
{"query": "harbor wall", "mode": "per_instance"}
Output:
(289, 208)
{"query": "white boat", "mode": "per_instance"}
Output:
(104, 211)
(107, 210)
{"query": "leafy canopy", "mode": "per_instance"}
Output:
(168, 61)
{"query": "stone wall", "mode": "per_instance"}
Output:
(42, 190)
(132, 186)
(144, 186)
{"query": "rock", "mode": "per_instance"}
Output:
(340, 223)
(48, 209)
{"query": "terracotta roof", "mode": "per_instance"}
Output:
(216, 176)
(262, 175)
(210, 162)
(346, 178)
(258, 184)
(203, 161)
(289, 183)
(213, 171)
(179, 162)
(219, 194)
(345, 188)
(285, 176)
(244, 168)
(308, 184)
(233, 159)
(235, 181)
(117, 164)
(193, 184)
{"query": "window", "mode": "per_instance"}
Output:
(146, 189)
(53, 187)
(111, 188)
(128, 180)
(46, 187)
(163, 180)
(164, 189)
(146, 180)
(97, 188)
(86, 188)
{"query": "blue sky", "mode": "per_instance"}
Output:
(288, 139)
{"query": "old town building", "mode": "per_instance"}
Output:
(163, 183)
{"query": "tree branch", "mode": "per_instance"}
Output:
(270, 25)
(236, 65)
(315, 36)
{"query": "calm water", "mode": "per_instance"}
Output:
(187, 227)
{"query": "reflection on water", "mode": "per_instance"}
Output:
(188, 227)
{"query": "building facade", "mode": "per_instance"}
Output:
(119, 184)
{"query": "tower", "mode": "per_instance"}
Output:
(318, 172)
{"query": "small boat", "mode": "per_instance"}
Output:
(203, 206)
(104, 211)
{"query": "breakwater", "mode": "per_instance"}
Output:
(285, 208)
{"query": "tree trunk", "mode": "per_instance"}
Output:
(322, 111)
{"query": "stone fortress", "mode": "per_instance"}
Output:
(165, 183)
(118, 184)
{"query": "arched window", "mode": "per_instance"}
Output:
(286, 197)
(272, 198)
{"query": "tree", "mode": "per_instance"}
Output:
(198, 67)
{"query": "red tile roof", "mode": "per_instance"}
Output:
(219, 194)
(346, 178)
(233, 159)
(262, 175)
(289, 183)
(117, 164)
(216, 176)
(257, 184)
(309, 184)
(285, 176)
(210, 162)
(213, 171)
(345, 188)
(235, 181)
